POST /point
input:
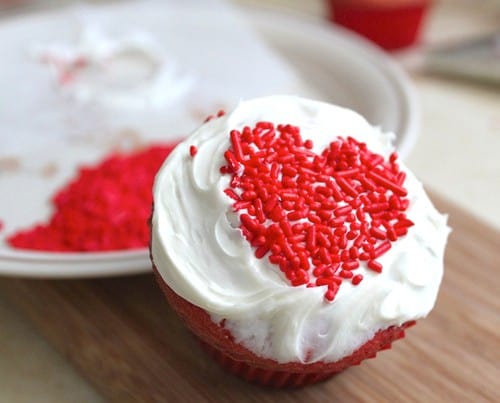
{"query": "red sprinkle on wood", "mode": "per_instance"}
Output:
(320, 218)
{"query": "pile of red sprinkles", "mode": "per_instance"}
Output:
(105, 207)
(315, 216)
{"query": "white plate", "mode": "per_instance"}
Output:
(335, 65)
(347, 70)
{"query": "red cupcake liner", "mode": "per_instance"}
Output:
(261, 376)
(218, 342)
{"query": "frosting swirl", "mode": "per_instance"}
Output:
(199, 250)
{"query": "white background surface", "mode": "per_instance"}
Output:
(456, 154)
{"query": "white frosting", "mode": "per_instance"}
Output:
(129, 71)
(201, 254)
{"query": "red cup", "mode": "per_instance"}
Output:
(392, 24)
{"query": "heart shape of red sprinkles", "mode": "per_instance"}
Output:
(315, 216)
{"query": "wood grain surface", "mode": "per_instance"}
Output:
(123, 337)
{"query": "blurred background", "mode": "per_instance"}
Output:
(434, 79)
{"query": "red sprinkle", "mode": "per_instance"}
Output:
(318, 217)
(192, 151)
(375, 266)
(357, 279)
(104, 207)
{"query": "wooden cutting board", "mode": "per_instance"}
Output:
(123, 337)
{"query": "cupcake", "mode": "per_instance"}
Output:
(292, 241)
